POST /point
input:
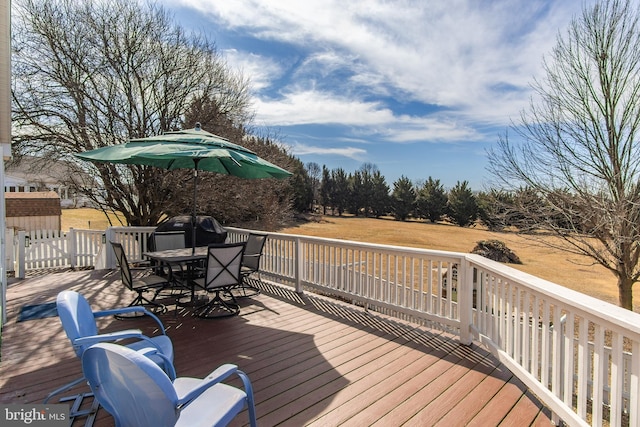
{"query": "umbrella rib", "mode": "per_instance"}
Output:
(227, 169)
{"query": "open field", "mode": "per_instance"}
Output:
(86, 219)
(564, 269)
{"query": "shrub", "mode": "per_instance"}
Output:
(497, 251)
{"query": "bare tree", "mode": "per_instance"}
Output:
(577, 143)
(96, 73)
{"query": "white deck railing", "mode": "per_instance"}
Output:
(579, 355)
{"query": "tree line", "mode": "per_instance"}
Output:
(366, 193)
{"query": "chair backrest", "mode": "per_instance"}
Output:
(253, 251)
(130, 386)
(165, 240)
(76, 317)
(121, 259)
(224, 262)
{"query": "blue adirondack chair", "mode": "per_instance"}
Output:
(137, 393)
(79, 323)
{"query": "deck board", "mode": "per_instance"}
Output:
(312, 360)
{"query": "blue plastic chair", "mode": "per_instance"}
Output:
(79, 323)
(136, 392)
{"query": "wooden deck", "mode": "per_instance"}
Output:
(312, 360)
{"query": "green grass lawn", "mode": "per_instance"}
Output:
(86, 219)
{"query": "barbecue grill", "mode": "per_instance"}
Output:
(208, 230)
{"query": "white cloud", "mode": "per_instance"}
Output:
(313, 107)
(473, 59)
(367, 118)
(300, 149)
(411, 129)
(259, 69)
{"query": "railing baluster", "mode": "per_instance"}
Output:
(535, 338)
(583, 368)
(568, 355)
(545, 364)
(617, 381)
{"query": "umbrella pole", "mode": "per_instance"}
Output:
(194, 216)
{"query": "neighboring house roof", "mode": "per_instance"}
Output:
(14, 181)
(36, 203)
(29, 169)
(36, 171)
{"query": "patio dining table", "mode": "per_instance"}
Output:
(187, 256)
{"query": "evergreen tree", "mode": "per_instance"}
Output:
(493, 208)
(325, 189)
(313, 172)
(431, 200)
(367, 171)
(380, 200)
(356, 193)
(302, 188)
(462, 207)
(403, 198)
(339, 190)
(527, 200)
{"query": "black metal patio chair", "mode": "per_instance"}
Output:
(222, 272)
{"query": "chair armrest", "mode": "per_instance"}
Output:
(215, 377)
(139, 264)
(116, 336)
(252, 256)
(135, 309)
(122, 310)
(168, 364)
(109, 337)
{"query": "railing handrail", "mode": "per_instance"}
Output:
(356, 244)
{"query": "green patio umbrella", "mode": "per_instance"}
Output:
(189, 149)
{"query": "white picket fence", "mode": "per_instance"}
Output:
(43, 249)
(53, 249)
(579, 355)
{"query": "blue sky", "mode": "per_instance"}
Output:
(417, 87)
